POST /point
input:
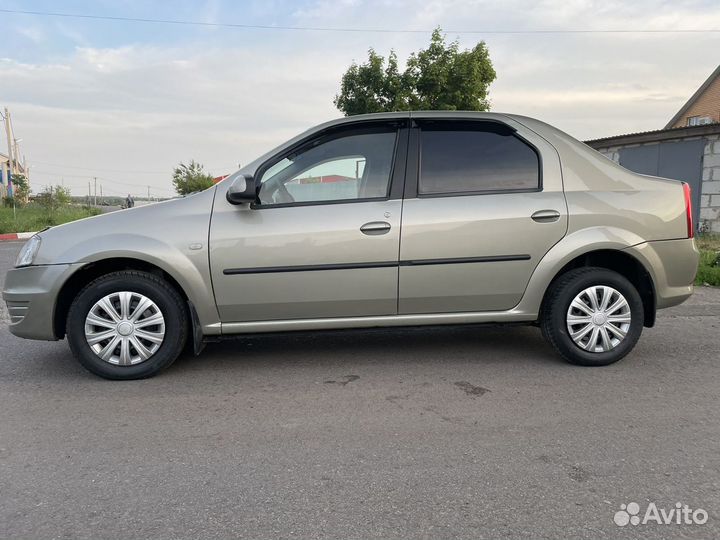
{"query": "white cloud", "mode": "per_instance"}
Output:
(148, 108)
(33, 33)
(71, 34)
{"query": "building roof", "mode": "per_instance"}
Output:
(715, 74)
(655, 136)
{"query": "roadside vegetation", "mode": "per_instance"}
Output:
(51, 207)
(709, 269)
(191, 178)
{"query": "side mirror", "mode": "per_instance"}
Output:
(242, 190)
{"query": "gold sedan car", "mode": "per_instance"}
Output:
(397, 219)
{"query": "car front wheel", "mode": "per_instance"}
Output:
(592, 316)
(127, 325)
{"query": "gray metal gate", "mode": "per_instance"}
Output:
(681, 160)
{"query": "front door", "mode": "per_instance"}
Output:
(484, 205)
(323, 238)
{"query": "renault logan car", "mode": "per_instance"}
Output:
(398, 219)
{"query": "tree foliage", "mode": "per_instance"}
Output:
(21, 188)
(191, 178)
(52, 198)
(441, 77)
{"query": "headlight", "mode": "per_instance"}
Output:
(28, 252)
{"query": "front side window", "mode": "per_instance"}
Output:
(343, 168)
(468, 160)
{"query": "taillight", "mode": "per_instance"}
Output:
(688, 210)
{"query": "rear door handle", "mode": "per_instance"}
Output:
(375, 227)
(546, 216)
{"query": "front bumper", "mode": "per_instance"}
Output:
(31, 294)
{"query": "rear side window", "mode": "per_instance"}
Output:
(474, 161)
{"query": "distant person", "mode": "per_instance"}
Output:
(129, 201)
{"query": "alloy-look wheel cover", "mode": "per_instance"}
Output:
(124, 328)
(598, 319)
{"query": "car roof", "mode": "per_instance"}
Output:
(415, 114)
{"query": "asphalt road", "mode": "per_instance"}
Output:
(426, 433)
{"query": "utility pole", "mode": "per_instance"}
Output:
(88, 200)
(101, 195)
(16, 150)
(9, 141)
(95, 178)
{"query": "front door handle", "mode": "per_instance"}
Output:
(375, 227)
(546, 216)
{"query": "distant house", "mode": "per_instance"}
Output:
(325, 179)
(5, 173)
(687, 149)
(5, 167)
(703, 107)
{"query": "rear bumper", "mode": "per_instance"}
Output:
(672, 264)
(31, 296)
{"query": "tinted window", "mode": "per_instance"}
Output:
(456, 161)
(353, 166)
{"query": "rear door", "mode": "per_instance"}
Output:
(484, 203)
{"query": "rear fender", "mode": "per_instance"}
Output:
(570, 247)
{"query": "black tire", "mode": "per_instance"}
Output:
(553, 320)
(156, 289)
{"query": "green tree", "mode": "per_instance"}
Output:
(21, 188)
(373, 87)
(63, 196)
(191, 178)
(441, 77)
(53, 198)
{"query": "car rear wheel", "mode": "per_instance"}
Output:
(127, 325)
(592, 316)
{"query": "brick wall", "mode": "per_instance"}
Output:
(708, 104)
(710, 195)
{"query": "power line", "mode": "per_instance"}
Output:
(97, 169)
(42, 170)
(104, 178)
(106, 190)
(345, 29)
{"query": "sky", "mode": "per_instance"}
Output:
(126, 101)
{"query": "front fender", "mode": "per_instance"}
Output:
(172, 235)
(188, 267)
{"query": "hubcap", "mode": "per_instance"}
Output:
(124, 328)
(598, 319)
